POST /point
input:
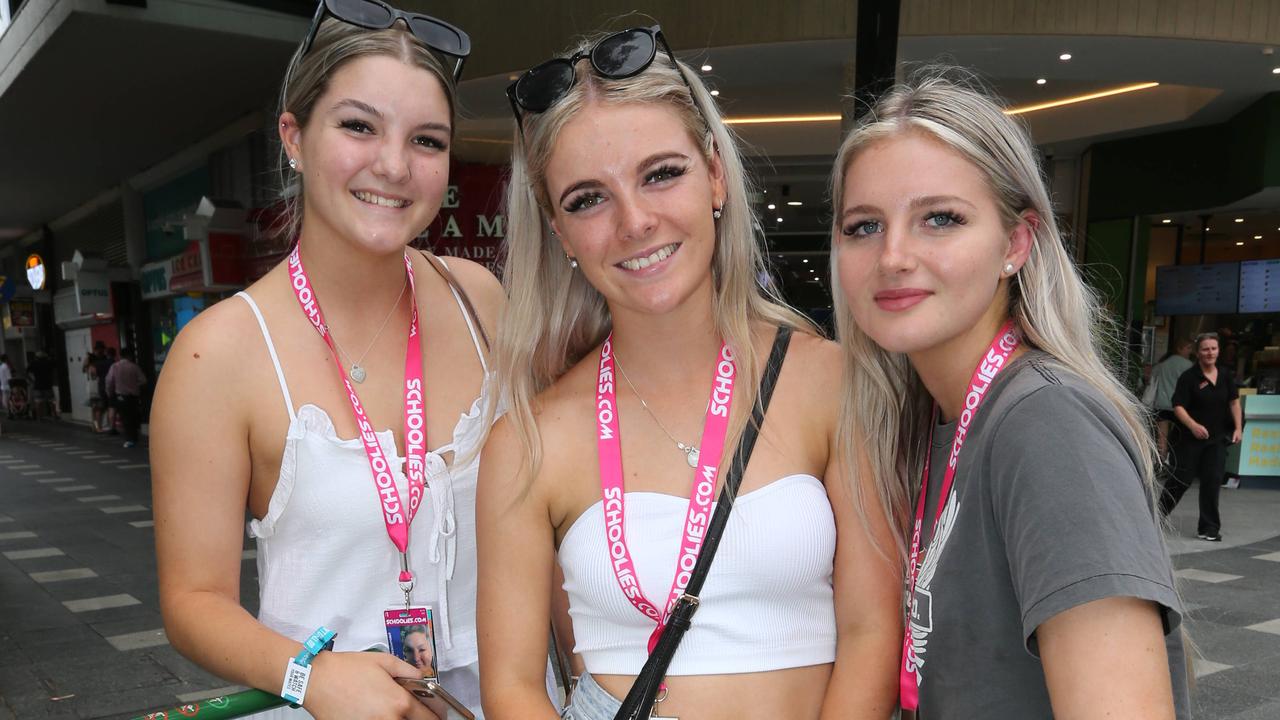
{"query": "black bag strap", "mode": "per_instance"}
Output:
(640, 700)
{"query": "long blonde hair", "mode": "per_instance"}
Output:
(307, 78)
(886, 407)
(553, 315)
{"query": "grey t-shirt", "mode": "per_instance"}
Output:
(1047, 512)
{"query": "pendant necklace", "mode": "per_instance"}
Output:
(690, 451)
(358, 373)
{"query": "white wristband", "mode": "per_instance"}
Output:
(296, 678)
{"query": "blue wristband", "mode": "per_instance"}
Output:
(321, 639)
(298, 673)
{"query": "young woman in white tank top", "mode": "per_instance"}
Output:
(252, 410)
(629, 215)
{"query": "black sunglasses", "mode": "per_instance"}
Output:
(621, 55)
(377, 15)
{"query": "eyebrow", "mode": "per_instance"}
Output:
(366, 107)
(653, 159)
(914, 204)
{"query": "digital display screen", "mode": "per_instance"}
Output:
(1260, 286)
(1198, 289)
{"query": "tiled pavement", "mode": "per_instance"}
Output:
(80, 628)
(81, 634)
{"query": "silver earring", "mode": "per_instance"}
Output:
(716, 213)
(573, 262)
(293, 163)
(1008, 268)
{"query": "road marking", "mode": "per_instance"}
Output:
(12, 462)
(95, 457)
(123, 509)
(117, 461)
(135, 467)
(20, 535)
(78, 452)
(24, 467)
(33, 554)
(139, 640)
(98, 498)
(60, 575)
(31, 473)
(54, 481)
(206, 694)
(101, 603)
(1207, 576)
(1270, 557)
(76, 488)
(1270, 626)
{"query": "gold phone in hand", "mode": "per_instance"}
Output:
(436, 698)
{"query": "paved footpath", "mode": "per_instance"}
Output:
(81, 634)
(80, 628)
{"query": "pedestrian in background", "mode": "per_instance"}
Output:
(1206, 403)
(124, 383)
(95, 383)
(104, 366)
(41, 371)
(6, 374)
(1159, 394)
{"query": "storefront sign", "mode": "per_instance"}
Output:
(471, 223)
(93, 294)
(155, 280)
(35, 271)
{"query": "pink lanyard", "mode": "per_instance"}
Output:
(415, 437)
(715, 428)
(997, 357)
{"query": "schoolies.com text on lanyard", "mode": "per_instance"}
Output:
(997, 356)
(714, 429)
(394, 513)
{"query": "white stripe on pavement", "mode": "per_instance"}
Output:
(139, 640)
(143, 523)
(33, 554)
(54, 481)
(101, 603)
(20, 535)
(76, 488)
(60, 575)
(123, 509)
(135, 467)
(99, 498)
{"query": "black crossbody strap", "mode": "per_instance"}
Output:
(639, 701)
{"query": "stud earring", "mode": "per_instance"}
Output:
(1008, 268)
(573, 263)
(293, 163)
(715, 213)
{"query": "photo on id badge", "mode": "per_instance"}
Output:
(411, 636)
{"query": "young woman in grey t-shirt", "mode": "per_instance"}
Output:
(1038, 582)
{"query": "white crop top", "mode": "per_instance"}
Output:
(767, 603)
(324, 557)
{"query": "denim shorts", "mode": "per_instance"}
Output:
(590, 702)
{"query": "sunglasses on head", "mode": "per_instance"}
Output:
(377, 15)
(616, 57)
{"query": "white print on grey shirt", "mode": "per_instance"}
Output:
(921, 611)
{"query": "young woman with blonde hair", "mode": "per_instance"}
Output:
(313, 397)
(633, 304)
(1038, 580)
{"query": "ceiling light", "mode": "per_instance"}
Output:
(1080, 98)
(794, 203)
(805, 260)
(1166, 221)
(715, 93)
(1241, 242)
(1064, 57)
(772, 206)
(706, 68)
(812, 270)
(779, 219)
(765, 119)
(1257, 237)
(1041, 81)
(1275, 71)
(1239, 219)
(512, 77)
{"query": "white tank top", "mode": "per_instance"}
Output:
(324, 557)
(767, 603)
